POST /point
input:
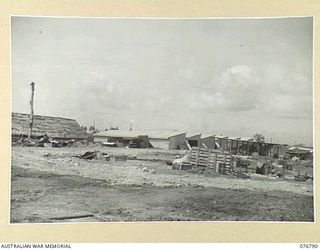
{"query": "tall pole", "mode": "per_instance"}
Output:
(31, 113)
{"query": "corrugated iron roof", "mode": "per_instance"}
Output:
(136, 133)
(203, 136)
(221, 136)
(193, 134)
(300, 150)
(119, 133)
(164, 134)
(243, 138)
(234, 138)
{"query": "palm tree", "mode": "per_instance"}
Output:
(258, 138)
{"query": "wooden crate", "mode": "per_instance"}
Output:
(210, 158)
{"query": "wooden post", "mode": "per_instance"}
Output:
(216, 162)
(31, 113)
(224, 162)
(266, 169)
(234, 166)
(198, 155)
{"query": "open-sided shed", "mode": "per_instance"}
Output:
(155, 139)
(208, 141)
(122, 138)
(167, 140)
(194, 139)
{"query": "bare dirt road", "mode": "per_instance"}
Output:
(50, 185)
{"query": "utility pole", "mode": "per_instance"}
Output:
(31, 113)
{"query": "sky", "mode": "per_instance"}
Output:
(235, 77)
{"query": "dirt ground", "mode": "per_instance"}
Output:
(50, 185)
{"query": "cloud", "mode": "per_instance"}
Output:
(109, 87)
(241, 72)
(235, 89)
(269, 89)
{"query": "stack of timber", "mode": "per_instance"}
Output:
(220, 160)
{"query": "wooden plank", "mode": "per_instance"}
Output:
(203, 157)
(203, 162)
(204, 153)
(204, 150)
(227, 162)
(221, 159)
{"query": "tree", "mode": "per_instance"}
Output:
(91, 129)
(258, 138)
(83, 129)
(114, 128)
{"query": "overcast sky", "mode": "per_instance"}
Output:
(221, 76)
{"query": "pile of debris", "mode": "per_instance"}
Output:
(43, 142)
(181, 163)
(90, 155)
(97, 155)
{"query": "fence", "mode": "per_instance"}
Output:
(220, 160)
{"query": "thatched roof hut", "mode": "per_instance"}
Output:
(54, 127)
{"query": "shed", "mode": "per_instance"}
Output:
(167, 140)
(156, 139)
(194, 139)
(222, 142)
(208, 141)
(302, 153)
(233, 144)
(122, 138)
